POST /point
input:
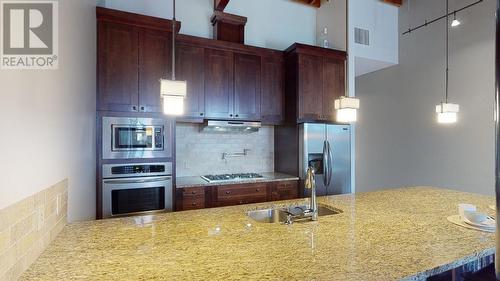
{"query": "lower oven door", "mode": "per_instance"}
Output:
(128, 196)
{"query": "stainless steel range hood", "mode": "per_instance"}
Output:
(231, 127)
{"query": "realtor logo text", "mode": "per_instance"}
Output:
(29, 35)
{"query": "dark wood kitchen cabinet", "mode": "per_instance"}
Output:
(247, 79)
(284, 190)
(225, 80)
(315, 77)
(155, 60)
(239, 82)
(310, 94)
(273, 90)
(232, 85)
(192, 198)
(219, 79)
(133, 54)
(190, 67)
(333, 85)
(131, 63)
(117, 64)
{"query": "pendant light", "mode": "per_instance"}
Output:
(172, 91)
(447, 112)
(455, 22)
(347, 107)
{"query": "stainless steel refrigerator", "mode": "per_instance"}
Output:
(327, 148)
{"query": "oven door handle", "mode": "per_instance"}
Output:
(139, 180)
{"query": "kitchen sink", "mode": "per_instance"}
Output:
(280, 215)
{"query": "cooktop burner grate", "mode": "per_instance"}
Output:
(231, 177)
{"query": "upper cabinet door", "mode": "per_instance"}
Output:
(333, 85)
(117, 65)
(272, 91)
(219, 73)
(155, 63)
(247, 71)
(190, 68)
(310, 87)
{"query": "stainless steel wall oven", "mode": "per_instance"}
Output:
(136, 188)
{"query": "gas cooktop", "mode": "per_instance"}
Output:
(231, 177)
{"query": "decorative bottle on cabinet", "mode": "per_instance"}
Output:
(323, 39)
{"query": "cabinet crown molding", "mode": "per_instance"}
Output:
(116, 16)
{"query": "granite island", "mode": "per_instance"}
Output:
(398, 234)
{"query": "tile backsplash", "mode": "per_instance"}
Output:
(200, 153)
(27, 228)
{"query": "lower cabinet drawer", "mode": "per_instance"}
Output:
(284, 190)
(241, 194)
(193, 191)
(193, 203)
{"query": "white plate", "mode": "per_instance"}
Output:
(479, 219)
(455, 219)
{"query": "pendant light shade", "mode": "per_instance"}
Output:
(173, 105)
(173, 92)
(173, 88)
(455, 22)
(447, 113)
(347, 109)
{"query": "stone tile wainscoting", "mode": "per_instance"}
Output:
(200, 153)
(27, 228)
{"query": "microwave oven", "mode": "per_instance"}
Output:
(136, 138)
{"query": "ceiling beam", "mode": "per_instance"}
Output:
(394, 2)
(315, 3)
(220, 5)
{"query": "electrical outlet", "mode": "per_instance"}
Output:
(40, 219)
(58, 204)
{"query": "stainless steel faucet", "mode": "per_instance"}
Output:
(310, 183)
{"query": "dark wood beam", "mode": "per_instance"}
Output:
(220, 5)
(315, 3)
(394, 2)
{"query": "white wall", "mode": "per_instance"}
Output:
(272, 24)
(332, 15)
(399, 142)
(381, 19)
(200, 153)
(47, 129)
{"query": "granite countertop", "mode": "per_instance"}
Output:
(182, 182)
(399, 234)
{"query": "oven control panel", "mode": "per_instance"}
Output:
(158, 138)
(136, 170)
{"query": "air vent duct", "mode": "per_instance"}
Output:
(362, 36)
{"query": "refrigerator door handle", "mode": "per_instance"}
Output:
(325, 163)
(330, 163)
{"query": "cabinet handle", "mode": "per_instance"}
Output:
(258, 189)
(228, 192)
(194, 204)
(201, 114)
(143, 108)
(230, 115)
(237, 115)
(134, 108)
(193, 192)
